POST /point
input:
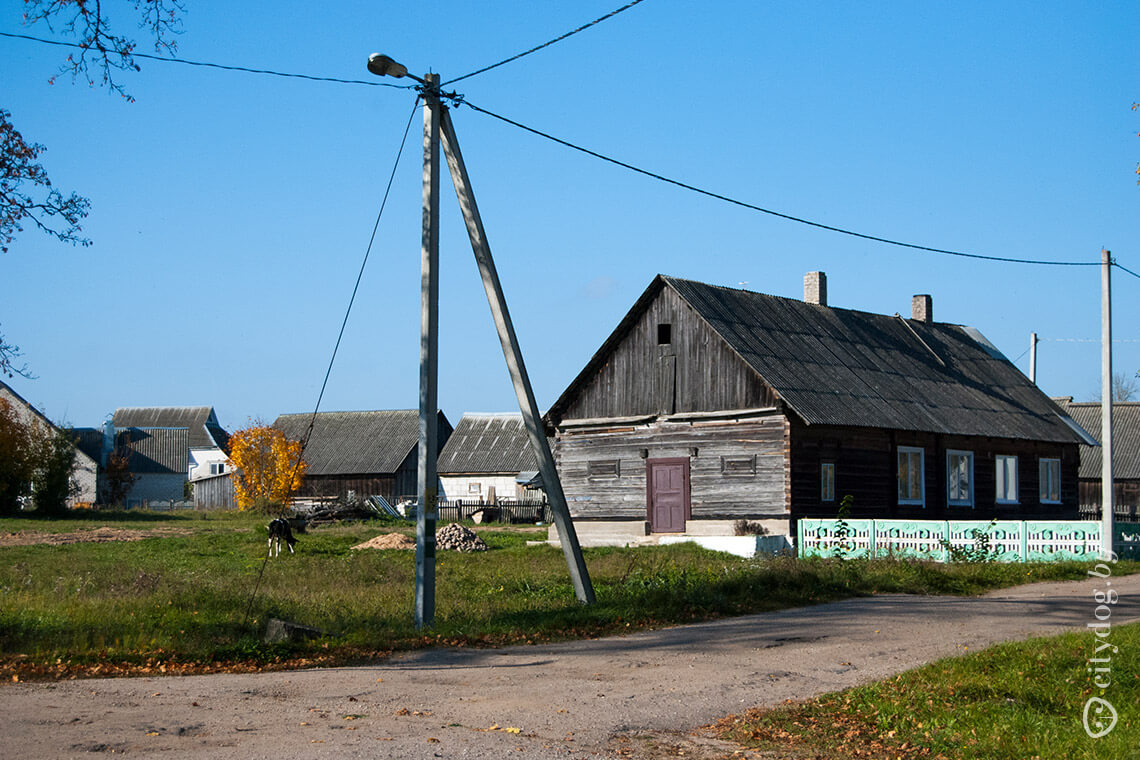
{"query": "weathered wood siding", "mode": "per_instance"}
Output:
(1126, 494)
(866, 467)
(215, 492)
(695, 371)
(737, 469)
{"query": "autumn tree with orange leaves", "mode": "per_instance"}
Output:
(269, 468)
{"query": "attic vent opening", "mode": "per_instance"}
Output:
(664, 334)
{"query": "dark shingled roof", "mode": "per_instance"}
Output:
(1125, 439)
(852, 368)
(157, 450)
(488, 443)
(356, 443)
(205, 432)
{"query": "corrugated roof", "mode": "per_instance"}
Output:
(852, 368)
(488, 443)
(356, 443)
(1125, 438)
(157, 450)
(205, 432)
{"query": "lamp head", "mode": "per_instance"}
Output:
(382, 65)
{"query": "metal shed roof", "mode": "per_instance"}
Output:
(200, 421)
(1125, 439)
(486, 444)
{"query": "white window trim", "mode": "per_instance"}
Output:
(824, 481)
(998, 469)
(921, 500)
(1042, 469)
(969, 500)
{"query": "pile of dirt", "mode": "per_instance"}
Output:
(100, 535)
(458, 538)
(388, 541)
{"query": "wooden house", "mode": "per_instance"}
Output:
(368, 453)
(1125, 457)
(709, 404)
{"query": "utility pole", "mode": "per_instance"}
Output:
(435, 115)
(427, 480)
(1107, 489)
(1033, 358)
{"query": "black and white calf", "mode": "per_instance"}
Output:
(279, 530)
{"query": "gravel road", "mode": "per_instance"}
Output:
(639, 695)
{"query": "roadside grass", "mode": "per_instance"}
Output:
(178, 603)
(1014, 700)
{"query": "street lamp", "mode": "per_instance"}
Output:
(383, 66)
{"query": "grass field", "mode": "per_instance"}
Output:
(1017, 700)
(178, 602)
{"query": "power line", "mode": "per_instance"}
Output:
(458, 100)
(224, 67)
(359, 276)
(1125, 269)
(762, 210)
(582, 28)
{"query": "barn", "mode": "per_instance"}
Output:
(1125, 457)
(368, 453)
(710, 404)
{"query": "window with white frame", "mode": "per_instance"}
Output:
(960, 478)
(1050, 478)
(217, 468)
(911, 469)
(827, 481)
(1005, 475)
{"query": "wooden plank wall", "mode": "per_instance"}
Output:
(214, 493)
(866, 468)
(644, 376)
(712, 447)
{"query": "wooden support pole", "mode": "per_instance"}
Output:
(427, 480)
(579, 574)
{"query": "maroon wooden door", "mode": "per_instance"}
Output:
(667, 497)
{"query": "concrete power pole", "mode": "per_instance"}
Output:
(1033, 358)
(1107, 490)
(427, 480)
(427, 493)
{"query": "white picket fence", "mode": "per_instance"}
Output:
(1006, 540)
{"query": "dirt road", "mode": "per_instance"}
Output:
(577, 699)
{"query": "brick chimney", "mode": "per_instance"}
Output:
(922, 308)
(815, 288)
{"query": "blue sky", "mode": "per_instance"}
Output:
(230, 212)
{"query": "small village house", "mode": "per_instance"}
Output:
(709, 404)
(85, 471)
(206, 454)
(367, 453)
(1125, 457)
(489, 460)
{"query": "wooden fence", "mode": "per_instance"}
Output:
(503, 510)
(1007, 540)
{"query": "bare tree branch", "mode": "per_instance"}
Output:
(9, 354)
(101, 51)
(21, 175)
